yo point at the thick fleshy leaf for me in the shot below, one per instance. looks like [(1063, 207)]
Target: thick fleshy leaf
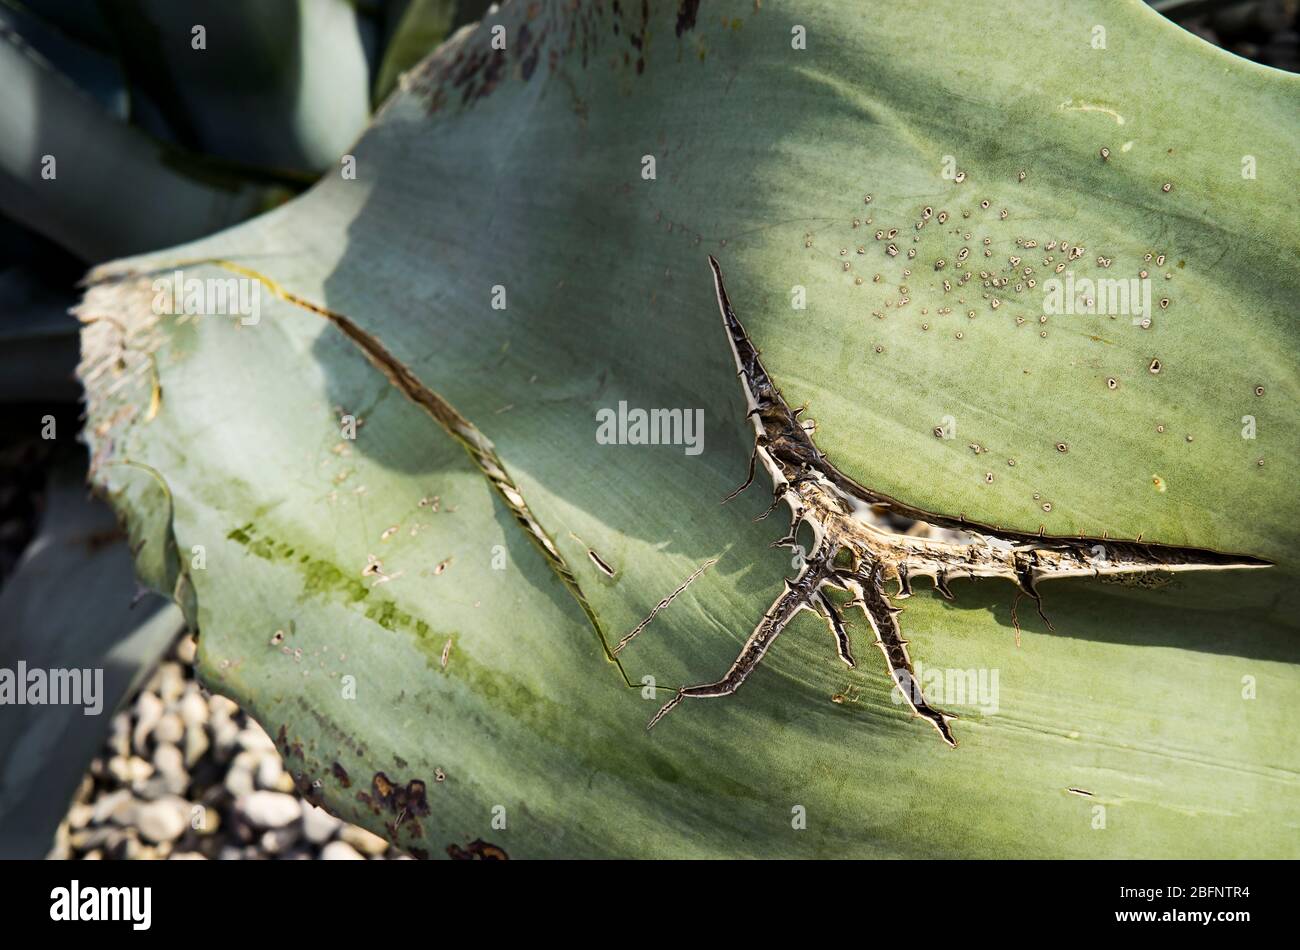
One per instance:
[(506, 267), (38, 334), (281, 85), (38, 340), (82, 21), (103, 630), (78, 55), (420, 28), (71, 172)]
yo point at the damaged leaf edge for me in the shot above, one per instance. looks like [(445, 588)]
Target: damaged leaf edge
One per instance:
[(478, 446)]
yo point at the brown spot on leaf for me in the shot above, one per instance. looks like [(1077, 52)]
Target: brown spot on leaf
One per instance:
[(369, 802), (410, 799), (98, 540), (529, 64), (308, 788), (686, 15), (477, 850)]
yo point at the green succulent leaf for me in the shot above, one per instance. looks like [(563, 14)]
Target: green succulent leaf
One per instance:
[(38, 334), (97, 186), (425, 615), (282, 85), (422, 26)]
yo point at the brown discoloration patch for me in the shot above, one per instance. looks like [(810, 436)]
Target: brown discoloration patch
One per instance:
[(403, 805), (686, 14), (308, 788), (414, 827), (529, 48), (471, 65), (549, 35), (637, 38), (341, 774), (98, 540), (410, 800), (529, 64), (477, 850)]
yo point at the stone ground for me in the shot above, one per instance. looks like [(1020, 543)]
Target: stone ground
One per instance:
[(186, 775)]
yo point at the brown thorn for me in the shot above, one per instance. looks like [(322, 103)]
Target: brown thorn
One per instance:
[(749, 480)]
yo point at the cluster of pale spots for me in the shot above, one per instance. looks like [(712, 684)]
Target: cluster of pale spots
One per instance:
[(854, 552), (965, 259), (950, 245)]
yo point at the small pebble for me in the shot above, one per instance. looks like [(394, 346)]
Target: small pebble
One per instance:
[(187, 650), (106, 807), (162, 820), (340, 851), (148, 710), (196, 745), (170, 729), (132, 771), (254, 738), (239, 781), (318, 825), (364, 841), (193, 710), (269, 771), (278, 840), (168, 761), (268, 809)]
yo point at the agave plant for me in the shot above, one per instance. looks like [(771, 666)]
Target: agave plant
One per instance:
[(432, 455)]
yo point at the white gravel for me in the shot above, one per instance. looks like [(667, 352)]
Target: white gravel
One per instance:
[(187, 776)]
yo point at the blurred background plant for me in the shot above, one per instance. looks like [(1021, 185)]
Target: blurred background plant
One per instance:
[(154, 147)]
